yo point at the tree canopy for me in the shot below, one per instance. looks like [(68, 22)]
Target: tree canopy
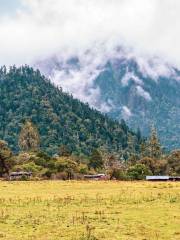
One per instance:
[(26, 95)]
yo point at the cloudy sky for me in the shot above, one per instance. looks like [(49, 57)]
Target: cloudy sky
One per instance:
[(34, 29)]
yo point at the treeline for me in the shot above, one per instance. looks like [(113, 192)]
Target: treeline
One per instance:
[(129, 164)]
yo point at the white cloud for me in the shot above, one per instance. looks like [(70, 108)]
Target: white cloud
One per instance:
[(141, 92), (130, 76), (92, 31), (126, 112), (155, 67), (45, 27)]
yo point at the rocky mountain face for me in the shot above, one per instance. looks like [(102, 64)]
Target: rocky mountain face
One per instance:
[(143, 92)]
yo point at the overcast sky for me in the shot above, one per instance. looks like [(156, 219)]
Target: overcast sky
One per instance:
[(45, 27)]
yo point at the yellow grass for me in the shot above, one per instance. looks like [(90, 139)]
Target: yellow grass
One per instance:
[(53, 210)]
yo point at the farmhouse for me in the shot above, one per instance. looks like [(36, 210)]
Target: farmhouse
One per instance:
[(19, 175), (96, 177), (163, 178)]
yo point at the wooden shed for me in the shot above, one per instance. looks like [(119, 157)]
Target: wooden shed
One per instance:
[(101, 176), (19, 175)]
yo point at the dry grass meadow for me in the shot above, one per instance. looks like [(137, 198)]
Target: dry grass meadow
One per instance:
[(53, 210)]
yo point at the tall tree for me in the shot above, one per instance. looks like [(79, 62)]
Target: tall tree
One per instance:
[(64, 151), (143, 149), (96, 160), (5, 156), (173, 161), (154, 146), (29, 137)]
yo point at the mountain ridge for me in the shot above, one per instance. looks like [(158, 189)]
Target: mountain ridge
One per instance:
[(144, 92), (60, 119)]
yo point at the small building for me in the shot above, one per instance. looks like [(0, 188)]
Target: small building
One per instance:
[(96, 177), (163, 178), (19, 175)]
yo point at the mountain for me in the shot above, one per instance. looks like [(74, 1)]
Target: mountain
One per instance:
[(60, 119), (142, 100), (145, 92)]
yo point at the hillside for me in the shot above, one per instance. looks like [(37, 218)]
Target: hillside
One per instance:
[(143, 91), (142, 99), (60, 119)]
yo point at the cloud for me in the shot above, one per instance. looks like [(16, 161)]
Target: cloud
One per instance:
[(141, 92), (155, 67), (45, 27), (129, 76), (92, 31), (126, 112)]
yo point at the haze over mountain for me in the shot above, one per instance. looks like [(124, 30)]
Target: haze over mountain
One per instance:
[(143, 93)]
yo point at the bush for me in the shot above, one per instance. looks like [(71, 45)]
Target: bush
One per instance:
[(118, 174), (138, 172), (83, 169), (31, 167), (49, 173), (60, 176)]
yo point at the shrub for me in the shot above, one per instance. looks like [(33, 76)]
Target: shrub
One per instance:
[(138, 172), (83, 169), (118, 174), (31, 167)]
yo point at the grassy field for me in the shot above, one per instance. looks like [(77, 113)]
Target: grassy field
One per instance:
[(51, 210)]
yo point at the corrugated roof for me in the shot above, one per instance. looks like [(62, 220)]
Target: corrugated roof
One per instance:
[(157, 177)]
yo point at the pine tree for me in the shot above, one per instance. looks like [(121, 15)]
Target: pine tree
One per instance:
[(29, 137), (131, 144), (139, 135), (154, 146), (143, 149), (5, 158), (96, 160), (64, 151)]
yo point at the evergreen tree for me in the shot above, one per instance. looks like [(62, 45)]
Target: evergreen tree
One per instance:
[(96, 160), (154, 146), (29, 137), (64, 151), (139, 135), (173, 161), (5, 156), (143, 149), (131, 151), (131, 143)]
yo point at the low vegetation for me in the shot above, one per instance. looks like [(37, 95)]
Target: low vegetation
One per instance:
[(49, 133), (77, 210), (128, 165)]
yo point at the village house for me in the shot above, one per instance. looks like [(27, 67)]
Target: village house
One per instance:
[(19, 175)]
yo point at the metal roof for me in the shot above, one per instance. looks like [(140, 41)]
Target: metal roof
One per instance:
[(157, 177), (20, 173)]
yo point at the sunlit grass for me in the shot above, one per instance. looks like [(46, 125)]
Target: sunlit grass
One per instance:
[(51, 210)]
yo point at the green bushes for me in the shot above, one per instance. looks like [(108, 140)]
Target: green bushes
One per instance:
[(138, 172)]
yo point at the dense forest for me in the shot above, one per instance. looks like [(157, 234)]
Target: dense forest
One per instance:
[(52, 135), (64, 165), (61, 120)]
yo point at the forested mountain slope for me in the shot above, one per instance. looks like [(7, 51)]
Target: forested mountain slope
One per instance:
[(145, 92), (60, 119), (142, 99)]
